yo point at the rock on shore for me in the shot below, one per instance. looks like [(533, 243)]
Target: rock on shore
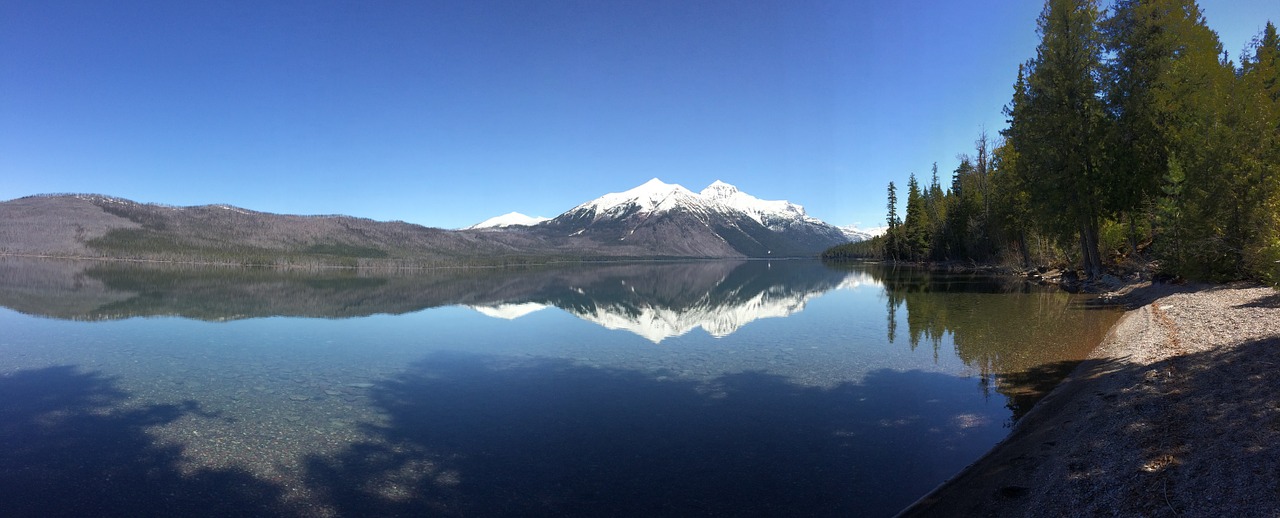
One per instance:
[(1176, 413)]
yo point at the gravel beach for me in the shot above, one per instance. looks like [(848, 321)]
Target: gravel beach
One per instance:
[(1176, 413)]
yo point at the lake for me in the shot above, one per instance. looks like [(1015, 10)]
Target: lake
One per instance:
[(733, 388)]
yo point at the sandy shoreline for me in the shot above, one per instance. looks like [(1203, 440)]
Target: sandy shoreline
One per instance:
[(1176, 413)]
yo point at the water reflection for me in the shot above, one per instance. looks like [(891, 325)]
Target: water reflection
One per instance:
[(654, 300), (1015, 336), (1020, 337), (879, 384), (658, 302)]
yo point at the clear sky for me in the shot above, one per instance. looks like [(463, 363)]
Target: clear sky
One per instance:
[(447, 113)]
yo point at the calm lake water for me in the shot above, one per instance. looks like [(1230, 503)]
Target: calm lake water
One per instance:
[(659, 389)]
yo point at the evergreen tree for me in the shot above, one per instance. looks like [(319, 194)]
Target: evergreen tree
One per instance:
[(1166, 137), (1059, 138), (1191, 97), (1257, 108), (1142, 53), (891, 234), (1014, 196), (936, 207), (960, 210), (916, 225), (1011, 215)]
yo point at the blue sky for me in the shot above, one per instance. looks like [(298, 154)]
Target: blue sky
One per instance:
[(447, 113)]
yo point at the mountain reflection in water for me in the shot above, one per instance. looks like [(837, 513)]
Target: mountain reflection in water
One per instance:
[(692, 395), (1003, 328), (653, 300)]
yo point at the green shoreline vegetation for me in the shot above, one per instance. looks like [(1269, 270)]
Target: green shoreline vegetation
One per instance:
[(1135, 146)]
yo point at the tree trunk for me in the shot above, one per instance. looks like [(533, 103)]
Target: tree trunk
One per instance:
[(1022, 245), (1095, 255), (1089, 248)]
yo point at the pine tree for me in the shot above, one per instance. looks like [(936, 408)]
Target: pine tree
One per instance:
[(1257, 107), (1191, 96), (916, 225), (960, 210), (891, 234), (936, 207), (1060, 135), (1013, 192), (1142, 52)]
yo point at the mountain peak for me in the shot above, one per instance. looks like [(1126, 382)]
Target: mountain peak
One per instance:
[(651, 196), (719, 190), (720, 221), (507, 220), (655, 187), (856, 234)]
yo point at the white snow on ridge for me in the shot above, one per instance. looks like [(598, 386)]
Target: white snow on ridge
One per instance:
[(763, 211), (510, 311), (508, 220), (651, 196), (856, 234), (657, 323), (656, 196)]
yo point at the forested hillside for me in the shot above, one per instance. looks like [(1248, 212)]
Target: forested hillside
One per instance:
[(1133, 139)]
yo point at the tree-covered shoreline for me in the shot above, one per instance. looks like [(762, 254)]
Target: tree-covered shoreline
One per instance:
[(1134, 142)]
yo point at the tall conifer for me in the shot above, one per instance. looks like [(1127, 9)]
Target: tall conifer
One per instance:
[(1060, 136)]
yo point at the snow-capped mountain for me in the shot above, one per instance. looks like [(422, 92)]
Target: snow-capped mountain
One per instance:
[(719, 221), (856, 234), (510, 219), (667, 299), (774, 214), (655, 196), (510, 311), (649, 197), (656, 322)]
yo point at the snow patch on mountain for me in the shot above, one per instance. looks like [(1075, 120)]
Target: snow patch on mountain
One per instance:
[(656, 196), (856, 234), (657, 323), (651, 196), (857, 280), (510, 219), (765, 212), (510, 311)]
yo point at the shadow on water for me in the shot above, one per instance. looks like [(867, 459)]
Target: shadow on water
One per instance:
[(69, 448), (1026, 388), (475, 436)]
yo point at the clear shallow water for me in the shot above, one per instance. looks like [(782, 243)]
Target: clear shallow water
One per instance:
[(722, 388)]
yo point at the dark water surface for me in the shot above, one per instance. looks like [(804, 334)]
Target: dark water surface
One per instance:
[(669, 389)]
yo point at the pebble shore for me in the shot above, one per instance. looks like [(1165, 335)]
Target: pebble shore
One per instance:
[(1176, 413)]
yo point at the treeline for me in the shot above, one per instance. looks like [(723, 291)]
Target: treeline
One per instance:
[(1132, 139)]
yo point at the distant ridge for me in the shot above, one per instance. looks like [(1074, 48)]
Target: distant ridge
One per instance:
[(856, 234), (653, 220)]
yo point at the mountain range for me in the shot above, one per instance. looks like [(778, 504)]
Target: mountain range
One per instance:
[(653, 220)]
